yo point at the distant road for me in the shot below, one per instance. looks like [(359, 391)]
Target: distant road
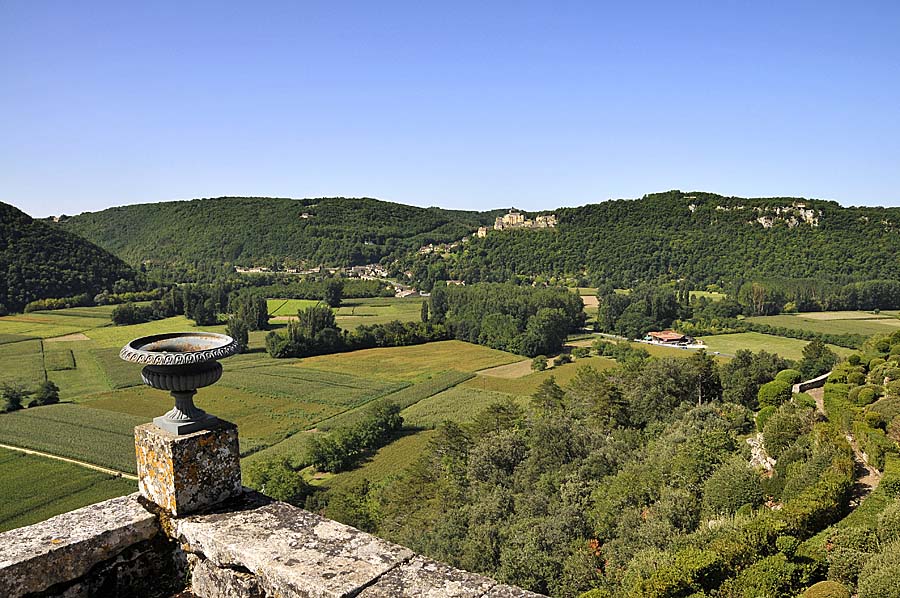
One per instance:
[(67, 460)]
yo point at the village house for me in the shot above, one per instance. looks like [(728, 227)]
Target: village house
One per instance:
[(668, 337)]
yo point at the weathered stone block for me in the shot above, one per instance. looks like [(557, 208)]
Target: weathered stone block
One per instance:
[(185, 474), (65, 547), (425, 578), (209, 581), (292, 552)]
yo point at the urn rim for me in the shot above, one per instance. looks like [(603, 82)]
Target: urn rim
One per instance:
[(179, 348)]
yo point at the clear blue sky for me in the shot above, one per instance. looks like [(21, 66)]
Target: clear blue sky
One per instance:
[(457, 104)]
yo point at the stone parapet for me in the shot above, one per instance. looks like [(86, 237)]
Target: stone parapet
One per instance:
[(252, 547), (96, 546), (295, 553), (191, 472)]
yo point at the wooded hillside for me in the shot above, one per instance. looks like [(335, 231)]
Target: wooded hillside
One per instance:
[(39, 261), (249, 231)]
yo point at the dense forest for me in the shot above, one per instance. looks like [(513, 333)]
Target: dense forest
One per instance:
[(701, 237), (643, 481), (40, 261), (251, 231)]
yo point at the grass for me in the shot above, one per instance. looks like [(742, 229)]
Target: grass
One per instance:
[(262, 421), (712, 296), (288, 307), (528, 385), (790, 348), (34, 488), (86, 379), (841, 322), (459, 404), (389, 460), (115, 337), (23, 364), (378, 310), (293, 449), (57, 359), (74, 431), (418, 362), (405, 397), (309, 385), (118, 373)]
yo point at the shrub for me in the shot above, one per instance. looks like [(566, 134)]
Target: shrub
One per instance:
[(763, 416), (581, 352), (787, 545), (278, 480), (879, 577), (875, 362), (854, 359), (856, 378), (789, 376), (875, 420), (802, 399), (783, 428), (866, 396), (889, 523), (733, 485), (827, 589), (772, 576), (774, 394), (562, 358), (539, 363)]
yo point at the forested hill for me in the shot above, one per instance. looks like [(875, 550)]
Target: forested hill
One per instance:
[(703, 237), (248, 231), (39, 261)]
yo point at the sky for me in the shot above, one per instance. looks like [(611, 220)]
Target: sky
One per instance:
[(468, 105)]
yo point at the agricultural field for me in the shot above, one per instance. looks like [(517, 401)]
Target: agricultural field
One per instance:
[(458, 404), (835, 322), (378, 310), (354, 312), (411, 363), (528, 384), (791, 348), (387, 461), (288, 307), (92, 435), (711, 295), (33, 488)]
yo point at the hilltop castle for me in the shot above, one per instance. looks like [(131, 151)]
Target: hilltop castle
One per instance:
[(517, 219)]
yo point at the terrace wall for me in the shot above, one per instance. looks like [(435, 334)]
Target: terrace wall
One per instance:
[(251, 546)]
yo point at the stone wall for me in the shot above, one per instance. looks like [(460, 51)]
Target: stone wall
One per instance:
[(250, 547)]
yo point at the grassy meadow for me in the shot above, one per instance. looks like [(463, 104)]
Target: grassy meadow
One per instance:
[(835, 322), (33, 488), (790, 348)]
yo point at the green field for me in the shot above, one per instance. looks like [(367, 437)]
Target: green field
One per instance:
[(378, 310), (411, 363), (791, 348), (288, 307), (709, 295), (33, 488), (836, 322), (92, 435), (458, 404), (527, 385)]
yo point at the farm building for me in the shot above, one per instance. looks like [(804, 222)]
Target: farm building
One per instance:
[(669, 337)]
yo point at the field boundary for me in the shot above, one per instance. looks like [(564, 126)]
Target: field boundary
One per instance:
[(85, 464)]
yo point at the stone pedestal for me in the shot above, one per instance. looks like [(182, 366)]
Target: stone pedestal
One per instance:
[(188, 473)]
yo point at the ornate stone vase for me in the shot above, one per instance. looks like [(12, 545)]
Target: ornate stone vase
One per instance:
[(181, 362)]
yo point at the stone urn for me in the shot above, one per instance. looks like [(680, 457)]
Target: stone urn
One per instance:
[(181, 362)]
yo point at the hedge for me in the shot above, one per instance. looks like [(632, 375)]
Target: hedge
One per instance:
[(726, 552)]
